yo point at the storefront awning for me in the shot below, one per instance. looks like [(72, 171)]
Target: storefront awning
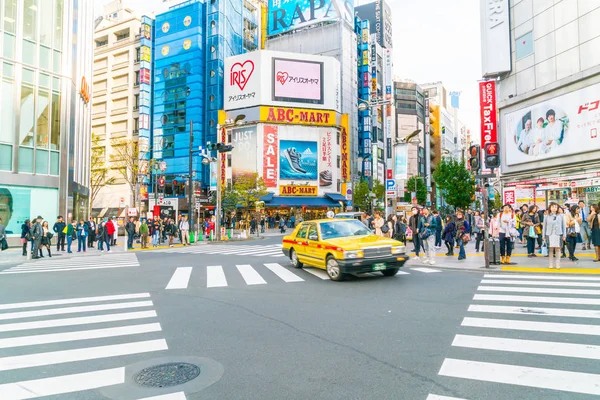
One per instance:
[(336, 197), (300, 201)]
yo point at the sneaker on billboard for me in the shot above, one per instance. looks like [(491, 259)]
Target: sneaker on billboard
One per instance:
[(293, 158), (325, 178)]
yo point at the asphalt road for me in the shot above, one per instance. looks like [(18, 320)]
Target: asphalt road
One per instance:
[(260, 329)]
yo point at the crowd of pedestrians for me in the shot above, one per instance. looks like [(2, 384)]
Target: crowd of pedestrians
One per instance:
[(550, 233)]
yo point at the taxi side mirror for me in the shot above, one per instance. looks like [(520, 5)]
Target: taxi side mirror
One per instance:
[(313, 237)]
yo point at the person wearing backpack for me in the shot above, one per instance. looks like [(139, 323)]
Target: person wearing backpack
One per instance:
[(400, 230)]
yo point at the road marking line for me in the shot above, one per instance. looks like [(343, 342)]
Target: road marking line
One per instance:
[(552, 278), (577, 382), (535, 311), (61, 270), (180, 278), (62, 384), (19, 326), (81, 354), (438, 397), (215, 277), (80, 261), (426, 270), (528, 346), (403, 273), (250, 275), (73, 265), (10, 306), (537, 290), (273, 253), (70, 310), (540, 283), (594, 271), (78, 335), (319, 273), (575, 329), (278, 255), (170, 396), (284, 273), (537, 299)]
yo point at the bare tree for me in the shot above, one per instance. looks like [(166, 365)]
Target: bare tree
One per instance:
[(125, 160), (100, 174)]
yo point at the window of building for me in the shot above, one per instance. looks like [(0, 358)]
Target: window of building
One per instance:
[(55, 127), (5, 157), (136, 125), (27, 115), (211, 98), (25, 159), (524, 45), (103, 41), (137, 54), (339, 161), (30, 12), (136, 101), (45, 28), (337, 139), (58, 24), (10, 15), (7, 105), (42, 130), (229, 160), (122, 35), (137, 78)]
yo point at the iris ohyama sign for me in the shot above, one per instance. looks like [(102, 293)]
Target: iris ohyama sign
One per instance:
[(495, 37)]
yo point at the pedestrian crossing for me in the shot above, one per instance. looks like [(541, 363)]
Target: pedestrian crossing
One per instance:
[(89, 343), (541, 345), (121, 260), (219, 276), (273, 250)]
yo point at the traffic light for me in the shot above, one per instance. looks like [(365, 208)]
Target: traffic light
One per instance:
[(475, 157), (492, 155), (161, 181), (220, 147), (434, 120)]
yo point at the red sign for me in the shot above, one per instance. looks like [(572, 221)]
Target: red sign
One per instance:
[(270, 155), (223, 159), (487, 102), (389, 174), (240, 73), (509, 197)]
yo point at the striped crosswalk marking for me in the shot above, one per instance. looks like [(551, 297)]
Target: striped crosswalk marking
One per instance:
[(215, 277), (284, 273), (28, 350), (486, 338), (250, 275), (436, 397), (319, 273), (233, 250), (124, 260), (180, 278), (170, 396), (426, 270)]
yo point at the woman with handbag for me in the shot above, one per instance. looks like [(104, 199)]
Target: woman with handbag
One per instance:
[(46, 238), (554, 232), (530, 221), (378, 223), (449, 234), (389, 224), (573, 222), (507, 226), (594, 223), (478, 228), (462, 234), (427, 226)]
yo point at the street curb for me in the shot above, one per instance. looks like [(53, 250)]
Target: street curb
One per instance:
[(512, 270)]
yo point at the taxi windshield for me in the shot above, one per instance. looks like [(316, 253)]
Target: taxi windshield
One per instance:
[(337, 229)]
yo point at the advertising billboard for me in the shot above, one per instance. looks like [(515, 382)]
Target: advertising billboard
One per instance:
[(379, 15), (562, 126), (345, 148), (274, 78), (326, 158), (288, 15), (298, 160), (270, 152), (243, 155), (297, 81), (495, 37), (18, 204), (487, 104), (401, 162)]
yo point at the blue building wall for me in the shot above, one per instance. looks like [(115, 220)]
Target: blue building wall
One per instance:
[(364, 93)]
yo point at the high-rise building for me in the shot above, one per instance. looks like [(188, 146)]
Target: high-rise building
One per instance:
[(116, 103), (46, 77), (192, 40), (409, 118), (546, 56)]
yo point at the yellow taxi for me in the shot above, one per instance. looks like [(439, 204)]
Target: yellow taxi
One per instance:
[(343, 246)]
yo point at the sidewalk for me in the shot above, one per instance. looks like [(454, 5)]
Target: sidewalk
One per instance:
[(519, 262)]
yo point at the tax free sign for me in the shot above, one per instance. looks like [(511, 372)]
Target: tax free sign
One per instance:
[(287, 15)]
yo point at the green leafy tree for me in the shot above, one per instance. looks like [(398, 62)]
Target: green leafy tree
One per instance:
[(230, 200), (456, 181), (378, 190), (249, 189), (100, 173), (409, 187)]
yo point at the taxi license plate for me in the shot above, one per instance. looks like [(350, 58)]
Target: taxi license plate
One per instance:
[(379, 267)]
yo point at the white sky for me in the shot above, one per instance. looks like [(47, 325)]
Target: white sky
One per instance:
[(434, 40)]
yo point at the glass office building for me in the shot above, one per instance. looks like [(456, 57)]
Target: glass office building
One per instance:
[(45, 76), (191, 42)]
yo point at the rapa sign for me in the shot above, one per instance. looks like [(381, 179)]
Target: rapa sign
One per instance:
[(287, 15)]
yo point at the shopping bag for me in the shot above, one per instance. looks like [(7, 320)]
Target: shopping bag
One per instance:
[(544, 249), (532, 233), (66, 229)]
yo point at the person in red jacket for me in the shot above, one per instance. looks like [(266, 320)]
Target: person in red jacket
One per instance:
[(108, 233)]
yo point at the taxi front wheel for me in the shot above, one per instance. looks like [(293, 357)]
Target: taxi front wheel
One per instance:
[(390, 272), (333, 269), (295, 261)]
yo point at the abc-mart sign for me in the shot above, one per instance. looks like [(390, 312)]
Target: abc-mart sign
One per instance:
[(273, 78)]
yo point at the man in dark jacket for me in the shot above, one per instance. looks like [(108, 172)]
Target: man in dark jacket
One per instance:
[(130, 229), (413, 223), (91, 232), (58, 228), (438, 229), (36, 234)]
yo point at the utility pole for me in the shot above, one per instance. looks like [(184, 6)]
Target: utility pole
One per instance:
[(190, 179), (218, 207), (486, 233)]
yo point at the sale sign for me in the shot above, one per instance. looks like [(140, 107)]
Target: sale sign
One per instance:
[(270, 149), (487, 103)]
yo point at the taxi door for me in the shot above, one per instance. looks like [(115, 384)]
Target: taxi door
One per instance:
[(314, 252), (301, 244)]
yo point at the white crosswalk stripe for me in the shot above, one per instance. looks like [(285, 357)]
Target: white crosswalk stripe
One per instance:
[(122, 260), (273, 250), (41, 346), (528, 351)]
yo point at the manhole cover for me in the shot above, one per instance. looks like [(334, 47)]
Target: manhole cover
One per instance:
[(165, 375)]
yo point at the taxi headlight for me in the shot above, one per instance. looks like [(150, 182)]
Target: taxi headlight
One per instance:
[(354, 254), (399, 250)]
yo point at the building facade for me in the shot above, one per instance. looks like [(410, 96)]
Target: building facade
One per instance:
[(550, 93), (116, 103), (45, 134)]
